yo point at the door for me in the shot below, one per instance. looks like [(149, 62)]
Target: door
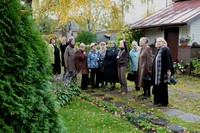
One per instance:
[(172, 38)]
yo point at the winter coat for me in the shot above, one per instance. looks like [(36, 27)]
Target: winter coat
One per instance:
[(110, 65), (134, 59), (166, 64), (81, 62), (69, 57), (144, 65), (62, 49), (92, 61), (56, 65)]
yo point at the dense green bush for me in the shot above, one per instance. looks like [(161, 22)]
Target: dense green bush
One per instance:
[(85, 37), (129, 35), (26, 104), (66, 93), (195, 66)]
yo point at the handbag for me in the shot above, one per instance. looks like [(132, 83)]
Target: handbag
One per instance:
[(131, 76), (170, 80)]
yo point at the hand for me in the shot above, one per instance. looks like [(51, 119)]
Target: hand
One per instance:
[(117, 57), (169, 73), (84, 53), (97, 59)]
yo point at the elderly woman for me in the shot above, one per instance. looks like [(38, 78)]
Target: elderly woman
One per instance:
[(102, 50), (162, 66), (93, 65), (56, 62), (122, 62), (134, 53), (69, 58), (81, 65), (144, 66), (110, 66)]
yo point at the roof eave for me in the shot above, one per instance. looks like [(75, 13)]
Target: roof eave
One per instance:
[(158, 26)]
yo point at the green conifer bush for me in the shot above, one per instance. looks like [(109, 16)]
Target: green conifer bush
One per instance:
[(26, 104)]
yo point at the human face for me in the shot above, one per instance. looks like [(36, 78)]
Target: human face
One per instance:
[(121, 45), (112, 44), (82, 48), (159, 43), (72, 42), (53, 41), (134, 46), (142, 41), (93, 48), (64, 41)]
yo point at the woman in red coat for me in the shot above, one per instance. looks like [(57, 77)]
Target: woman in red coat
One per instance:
[(81, 65)]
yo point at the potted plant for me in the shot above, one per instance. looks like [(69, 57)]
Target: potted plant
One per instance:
[(180, 67), (184, 41)]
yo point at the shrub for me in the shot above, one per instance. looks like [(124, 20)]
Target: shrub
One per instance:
[(65, 94), (195, 66), (130, 35), (85, 37), (26, 102)]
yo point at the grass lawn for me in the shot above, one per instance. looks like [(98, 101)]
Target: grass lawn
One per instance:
[(83, 117)]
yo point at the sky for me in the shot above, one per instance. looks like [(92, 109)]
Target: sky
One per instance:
[(137, 12)]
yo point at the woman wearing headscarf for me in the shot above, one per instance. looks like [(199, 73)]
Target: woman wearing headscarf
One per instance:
[(162, 66), (110, 66), (81, 65), (69, 57), (122, 62)]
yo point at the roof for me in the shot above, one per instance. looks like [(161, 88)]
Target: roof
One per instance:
[(178, 13)]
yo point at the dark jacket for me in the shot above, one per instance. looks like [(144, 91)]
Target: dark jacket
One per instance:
[(81, 62), (62, 49), (56, 65), (110, 65), (166, 64), (123, 56)]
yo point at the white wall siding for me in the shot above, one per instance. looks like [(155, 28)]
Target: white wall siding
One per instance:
[(153, 33), (195, 31)]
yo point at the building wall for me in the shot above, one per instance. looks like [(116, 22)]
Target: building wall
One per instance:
[(195, 31), (102, 38), (184, 31), (153, 33)]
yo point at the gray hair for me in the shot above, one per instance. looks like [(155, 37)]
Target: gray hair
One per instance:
[(146, 39), (82, 45), (134, 43)]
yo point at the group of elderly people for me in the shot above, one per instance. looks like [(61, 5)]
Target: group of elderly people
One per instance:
[(109, 65)]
